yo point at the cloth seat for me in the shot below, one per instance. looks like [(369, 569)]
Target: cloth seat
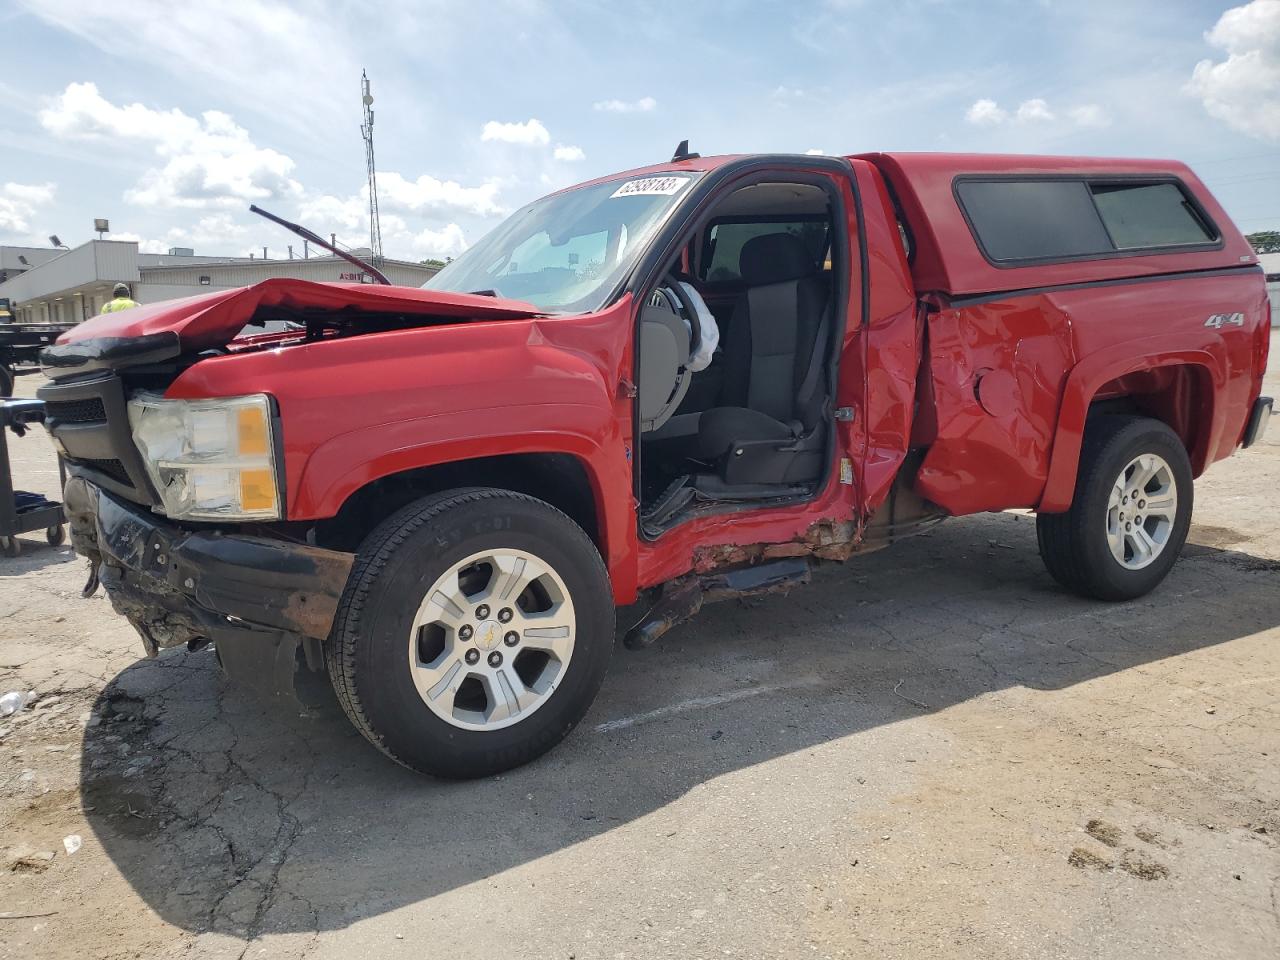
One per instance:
[(775, 357)]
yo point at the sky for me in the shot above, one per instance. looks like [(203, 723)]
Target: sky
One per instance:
[(170, 119)]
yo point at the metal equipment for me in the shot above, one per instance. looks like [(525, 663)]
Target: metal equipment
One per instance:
[(22, 512)]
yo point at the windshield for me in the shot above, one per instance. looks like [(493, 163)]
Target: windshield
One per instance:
[(565, 253)]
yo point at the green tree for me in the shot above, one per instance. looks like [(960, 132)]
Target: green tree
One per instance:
[(1265, 241)]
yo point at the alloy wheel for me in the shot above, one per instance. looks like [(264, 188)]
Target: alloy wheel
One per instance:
[(492, 639), (1141, 511)]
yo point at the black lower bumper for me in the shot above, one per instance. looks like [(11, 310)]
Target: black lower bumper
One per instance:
[(1258, 420), (259, 600)]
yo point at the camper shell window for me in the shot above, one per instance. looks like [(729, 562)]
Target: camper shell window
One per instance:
[(1037, 219)]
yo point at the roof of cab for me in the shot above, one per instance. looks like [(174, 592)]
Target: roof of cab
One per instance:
[(947, 259)]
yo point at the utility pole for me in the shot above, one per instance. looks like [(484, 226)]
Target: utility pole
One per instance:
[(366, 130)]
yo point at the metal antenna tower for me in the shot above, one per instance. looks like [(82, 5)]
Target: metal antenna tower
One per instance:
[(366, 130)]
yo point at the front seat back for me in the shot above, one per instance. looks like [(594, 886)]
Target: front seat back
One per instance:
[(775, 326), (775, 369)]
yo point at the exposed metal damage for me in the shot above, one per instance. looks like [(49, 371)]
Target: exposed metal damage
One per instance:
[(731, 571), (258, 598)]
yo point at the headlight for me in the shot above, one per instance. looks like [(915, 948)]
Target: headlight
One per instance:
[(209, 459)]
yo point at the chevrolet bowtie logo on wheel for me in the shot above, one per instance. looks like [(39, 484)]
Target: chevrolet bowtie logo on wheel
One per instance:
[(1220, 320)]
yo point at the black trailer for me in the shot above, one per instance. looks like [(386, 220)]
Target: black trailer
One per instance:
[(22, 512), (21, 343)]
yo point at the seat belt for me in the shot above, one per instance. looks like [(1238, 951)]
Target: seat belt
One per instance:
[(810, 381)]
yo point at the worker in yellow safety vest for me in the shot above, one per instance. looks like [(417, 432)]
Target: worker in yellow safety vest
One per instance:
[(122, 299)]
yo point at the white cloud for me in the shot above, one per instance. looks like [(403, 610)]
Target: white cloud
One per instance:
[(19, 202), (1243, 90), (259, 53), (436, 198), (207, 162), (144, 246), (643, 105), (1089, 115), (815, 152), (1030, 111), (986, 113), (568, 154), (218, 231), (530, 133), (446, 242), (325, 213), (401, 200)]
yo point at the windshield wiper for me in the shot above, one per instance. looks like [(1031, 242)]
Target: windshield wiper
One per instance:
[(484, 293), (307, 235)]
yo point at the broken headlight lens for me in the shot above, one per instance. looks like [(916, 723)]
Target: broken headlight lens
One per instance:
[(209, 459)]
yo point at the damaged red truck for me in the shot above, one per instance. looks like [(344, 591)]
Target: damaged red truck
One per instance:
[(440, 495)]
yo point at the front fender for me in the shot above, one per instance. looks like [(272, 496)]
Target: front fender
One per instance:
[(344, 464), (1090, 375)]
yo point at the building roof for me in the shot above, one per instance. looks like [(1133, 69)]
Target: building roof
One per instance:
[(24, 258), (99, 264)]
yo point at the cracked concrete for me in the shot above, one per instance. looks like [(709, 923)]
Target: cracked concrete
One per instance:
[(808, 806)]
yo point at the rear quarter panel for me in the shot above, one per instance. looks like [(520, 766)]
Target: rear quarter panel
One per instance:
[(1013, 379)]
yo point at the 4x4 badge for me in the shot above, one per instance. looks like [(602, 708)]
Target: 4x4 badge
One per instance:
[(1220, 320)]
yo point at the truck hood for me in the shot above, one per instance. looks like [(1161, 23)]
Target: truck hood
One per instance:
[(213, 319)]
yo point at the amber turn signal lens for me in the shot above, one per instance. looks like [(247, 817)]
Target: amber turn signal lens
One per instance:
[(257, 490), (251, 423)]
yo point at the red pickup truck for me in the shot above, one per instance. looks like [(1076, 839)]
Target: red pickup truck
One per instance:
[(683, 383)]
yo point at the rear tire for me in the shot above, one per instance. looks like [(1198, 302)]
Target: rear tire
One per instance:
[(6, 381), (447, 599), (1111, 544)]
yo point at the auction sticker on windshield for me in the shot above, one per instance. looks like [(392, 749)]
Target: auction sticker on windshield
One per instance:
[(650, 187)]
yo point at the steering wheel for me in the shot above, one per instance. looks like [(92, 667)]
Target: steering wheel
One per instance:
[(690, 312)]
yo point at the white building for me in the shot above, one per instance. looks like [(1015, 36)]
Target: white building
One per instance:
[(67, 286), (16, 260), (1271, 267)]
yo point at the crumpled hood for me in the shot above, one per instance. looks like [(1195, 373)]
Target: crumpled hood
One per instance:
[(212, 319)]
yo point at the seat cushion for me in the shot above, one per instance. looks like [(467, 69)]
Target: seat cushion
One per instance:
[(722, 427)]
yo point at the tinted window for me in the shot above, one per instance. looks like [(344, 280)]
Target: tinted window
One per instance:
[(1033, 219), (1022, 220), (1149, 215), (725, 241)]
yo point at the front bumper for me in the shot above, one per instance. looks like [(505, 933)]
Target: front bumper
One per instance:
[(259, 600)]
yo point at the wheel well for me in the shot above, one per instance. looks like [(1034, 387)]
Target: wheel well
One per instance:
[(557, 478), (1180, 396)]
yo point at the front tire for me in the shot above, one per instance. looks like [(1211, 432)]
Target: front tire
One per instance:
[(474, 632), (1130, 514)]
